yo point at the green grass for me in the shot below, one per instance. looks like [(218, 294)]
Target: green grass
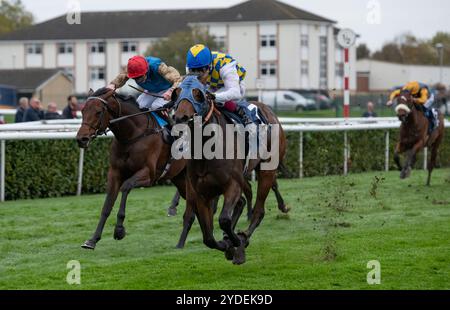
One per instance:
[(336, 226)]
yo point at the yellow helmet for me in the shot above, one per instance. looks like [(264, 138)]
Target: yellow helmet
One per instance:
[(413, 87)]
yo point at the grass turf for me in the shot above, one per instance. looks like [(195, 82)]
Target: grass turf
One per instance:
[(336, 226)]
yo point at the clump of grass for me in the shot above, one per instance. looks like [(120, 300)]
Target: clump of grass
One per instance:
[(376, 182)]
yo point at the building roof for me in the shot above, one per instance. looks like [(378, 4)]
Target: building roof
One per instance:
[(262, 10), (155, 24), (111, 25), (28, 80)]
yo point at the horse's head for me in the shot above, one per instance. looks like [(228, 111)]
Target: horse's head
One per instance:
[(405, 105), (96, 116), (190, 99)]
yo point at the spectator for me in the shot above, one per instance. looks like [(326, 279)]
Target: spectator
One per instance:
[(370, 110), (70, 112), (35, 112), (52, 111), (23, 105)]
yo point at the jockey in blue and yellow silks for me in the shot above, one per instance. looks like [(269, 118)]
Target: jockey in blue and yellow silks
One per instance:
[(224, 76), (422, 96)]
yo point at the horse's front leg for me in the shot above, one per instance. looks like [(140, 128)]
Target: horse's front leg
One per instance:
[(140, 178), (398, 150), (411, 159), (111, 196)]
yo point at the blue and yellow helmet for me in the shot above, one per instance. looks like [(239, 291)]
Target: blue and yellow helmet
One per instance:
[(198, 56)]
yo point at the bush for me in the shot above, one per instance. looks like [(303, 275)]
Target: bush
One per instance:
[(39, 169)]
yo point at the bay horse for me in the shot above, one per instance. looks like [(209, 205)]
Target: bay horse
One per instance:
[(207, 179), (414, 136), (139, 156)]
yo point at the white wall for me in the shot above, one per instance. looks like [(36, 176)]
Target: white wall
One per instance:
[(243, 46), (384, 75), (113, 65), (12, 55), (289, 56), (49, 50), (81, 69)]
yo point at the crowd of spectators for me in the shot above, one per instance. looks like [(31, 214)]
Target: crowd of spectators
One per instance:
[(30, 110)]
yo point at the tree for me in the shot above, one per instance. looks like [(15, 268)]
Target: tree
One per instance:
[(407, 49), (173, 49), (389, 52), (362, 51), (14, 16)]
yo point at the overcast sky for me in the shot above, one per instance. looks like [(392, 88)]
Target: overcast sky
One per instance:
[(375, 20)]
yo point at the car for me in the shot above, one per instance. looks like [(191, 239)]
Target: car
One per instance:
[(285, 100), (320, 98)]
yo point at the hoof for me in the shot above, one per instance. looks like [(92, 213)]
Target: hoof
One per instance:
[(230, 252), (171, 211), (239, 256), (88, 245), (244, 238), (405, 174), (119, 232), (284, 209), (180, 246)]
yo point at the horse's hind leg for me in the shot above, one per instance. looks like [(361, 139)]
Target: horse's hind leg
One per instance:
[(247, 189), (172, 210), (281, 206), (266, 179), (111, 196), (432, 160), (141, 178), (188, 220)]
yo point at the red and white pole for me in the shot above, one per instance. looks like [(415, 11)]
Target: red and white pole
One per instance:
[(346, 84)]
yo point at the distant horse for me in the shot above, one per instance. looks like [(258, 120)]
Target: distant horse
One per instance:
[(414, 135), (138, 157), (209, 178)]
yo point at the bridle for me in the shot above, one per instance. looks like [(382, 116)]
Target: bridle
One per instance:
[(105, 108)]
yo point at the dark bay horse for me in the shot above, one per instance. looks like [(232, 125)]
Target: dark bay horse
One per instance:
[(209, 178), (139, 157), (414, 136)]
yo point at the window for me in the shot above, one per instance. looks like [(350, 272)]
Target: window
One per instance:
[(304, 67), (34, 48), (97, 47), (339, 69), (220, 41), (288, 97), (304, 40), (268, 40), (97, 74), (65, 48), (129, 47), (268, 69)]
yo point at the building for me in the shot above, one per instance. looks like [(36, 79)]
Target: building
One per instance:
[(49, 85), (281, 46), (379, 76)]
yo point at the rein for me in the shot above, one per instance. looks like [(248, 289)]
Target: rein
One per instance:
[(98, 132)]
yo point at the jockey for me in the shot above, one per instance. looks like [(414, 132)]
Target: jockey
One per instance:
[(225, 78), (154, 76), (422, 96)]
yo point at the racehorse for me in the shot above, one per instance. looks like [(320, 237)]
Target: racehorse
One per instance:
[(138, 157), (414, 135), (209, 178)]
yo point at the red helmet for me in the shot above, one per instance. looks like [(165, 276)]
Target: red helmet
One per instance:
[(137, 66)]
